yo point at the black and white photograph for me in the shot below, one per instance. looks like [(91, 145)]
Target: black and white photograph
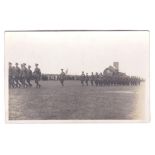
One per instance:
[(77, 75)]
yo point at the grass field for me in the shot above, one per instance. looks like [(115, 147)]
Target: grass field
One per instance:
[(54, 102)]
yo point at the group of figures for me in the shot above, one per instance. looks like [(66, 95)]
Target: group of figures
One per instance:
[(22, 76), (103, 80)]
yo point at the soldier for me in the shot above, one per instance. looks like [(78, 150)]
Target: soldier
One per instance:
[(37, 76), (20, 75), (24, 75), (14, 84), (17, 75), (86, 79), (29, 76), (100, 79), (96, 79), (92, 79), (62, 77), (10, 75), (82, 78)]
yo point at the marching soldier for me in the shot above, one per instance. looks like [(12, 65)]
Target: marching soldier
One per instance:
[(10, 75), (87, 79), (37, 76), (14, 84), (29, 76), (82, 78), (100, 79), (62, 77), (92, 79), (24, 75), (96, 79), (17, 75)]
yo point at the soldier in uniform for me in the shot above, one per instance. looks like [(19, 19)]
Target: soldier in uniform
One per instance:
[(82, 78), (10, 75), (96, 79), (62, 77), (86, 79), (24, 75), (29, 76), (92, 79), (17, 75), (100, 79), (20, 75), (37, 76), (14, 84)]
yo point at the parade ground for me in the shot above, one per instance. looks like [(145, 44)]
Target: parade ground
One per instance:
[(74, 102)]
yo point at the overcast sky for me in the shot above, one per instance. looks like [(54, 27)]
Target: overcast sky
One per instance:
[(80, 51)]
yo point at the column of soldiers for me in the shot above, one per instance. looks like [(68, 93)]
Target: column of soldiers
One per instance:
[(22, 76), (103, 80)]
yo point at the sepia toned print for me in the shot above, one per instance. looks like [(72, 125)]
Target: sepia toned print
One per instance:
[(77, 75)]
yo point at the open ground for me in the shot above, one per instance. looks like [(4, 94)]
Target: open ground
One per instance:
[(74, 102)]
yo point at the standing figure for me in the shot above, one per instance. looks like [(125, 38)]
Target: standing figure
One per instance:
[(62, 77), (92, 79), (82, 78), (100, 82), (29, 76), (87, 79), (10, 75), (24, 75), (17, 75), (96, 79), (14, 84), (37, 76)]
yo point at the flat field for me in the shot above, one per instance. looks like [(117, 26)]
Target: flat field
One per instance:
[(74, 102)]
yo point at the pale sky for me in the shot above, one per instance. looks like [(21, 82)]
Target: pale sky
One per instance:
[(89, 51)]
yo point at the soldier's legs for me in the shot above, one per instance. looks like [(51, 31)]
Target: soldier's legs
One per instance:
[(17, 82), (92, 82), (86, 82), (82, 82), (62, 82), (11, 82), (29, 82), (37, 83)]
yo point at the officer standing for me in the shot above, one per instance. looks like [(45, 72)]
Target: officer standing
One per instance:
[(37, 75), (62, 77), (82, 78), (29, 76)]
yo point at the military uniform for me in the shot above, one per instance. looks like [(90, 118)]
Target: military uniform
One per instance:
[(17, 75), (96, 79), (92, 79), (37, 75), (62, 77), (87, 79), (29, 76), (24, 75), (82, 78), (10, 75)]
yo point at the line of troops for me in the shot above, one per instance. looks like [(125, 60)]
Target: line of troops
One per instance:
[(22, 76), (103, 80)]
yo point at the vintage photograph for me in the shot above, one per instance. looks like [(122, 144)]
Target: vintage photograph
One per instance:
[(77, 75)]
